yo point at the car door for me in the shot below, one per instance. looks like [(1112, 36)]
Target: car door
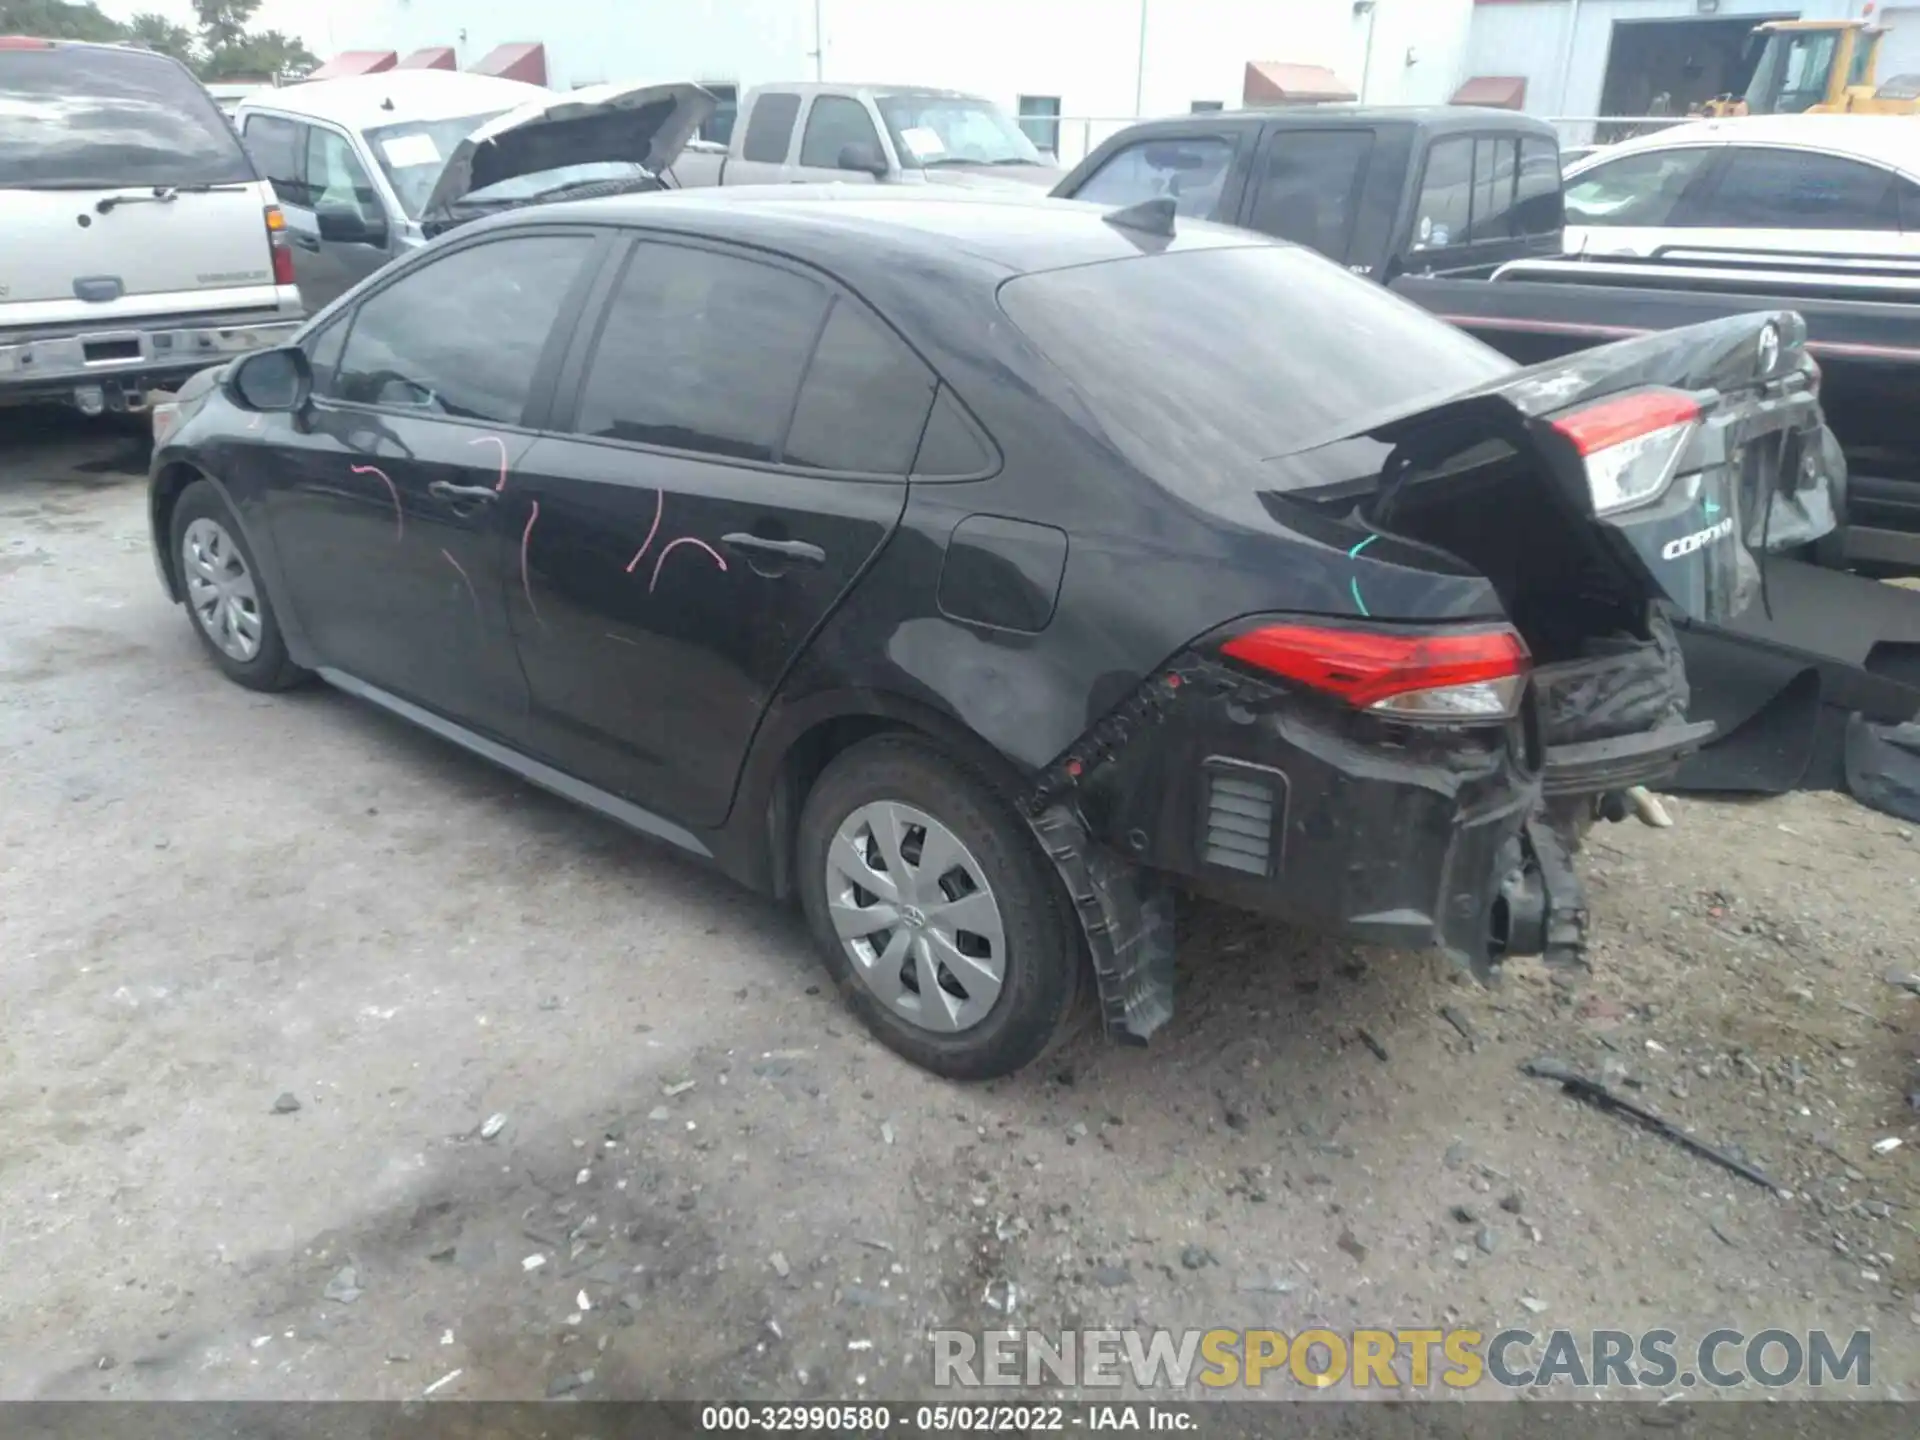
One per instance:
[(1626, 205), (727, 454), (387, 500), (1781, 198), (1193, 167), (835, 125), (767, 141)]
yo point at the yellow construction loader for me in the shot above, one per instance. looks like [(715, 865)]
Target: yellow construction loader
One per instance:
[(1818, 67)]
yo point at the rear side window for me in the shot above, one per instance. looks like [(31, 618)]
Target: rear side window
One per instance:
[(1481, 188), (86, 117), (770, 128), (1643, 189), (701, 351), (1446, 196), (1775, 188), (864, 401), (834, 123), (277, 147), (1192, 170), (1310, 183), (461, 336), (1537, 208)]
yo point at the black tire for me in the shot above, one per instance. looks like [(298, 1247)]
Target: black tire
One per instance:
[(1044, 964), (270, 668)]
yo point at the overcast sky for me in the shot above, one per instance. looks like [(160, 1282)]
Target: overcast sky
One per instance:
[(306, 18)]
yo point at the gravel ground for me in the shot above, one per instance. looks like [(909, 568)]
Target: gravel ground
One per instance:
[(272, 963)]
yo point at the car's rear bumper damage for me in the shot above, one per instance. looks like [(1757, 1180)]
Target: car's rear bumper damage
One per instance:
[(1275, 800)]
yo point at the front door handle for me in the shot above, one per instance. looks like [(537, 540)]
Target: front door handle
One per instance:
[(793, 551), (462, 494)]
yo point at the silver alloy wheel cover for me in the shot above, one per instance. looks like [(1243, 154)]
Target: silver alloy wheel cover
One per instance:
[(220, 590), (894, 917)]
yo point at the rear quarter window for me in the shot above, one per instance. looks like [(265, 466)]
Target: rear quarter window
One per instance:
[(95, 117)]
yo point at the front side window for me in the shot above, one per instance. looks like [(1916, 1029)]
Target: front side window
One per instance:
[(1778, 188), (954, 130), (337, 181), (701, 351), (1310, 187), (717, 128), (1191, 171), (834, 123), (770, 128), (1642, 189), (414, 154), (83, 117), (461, 336)]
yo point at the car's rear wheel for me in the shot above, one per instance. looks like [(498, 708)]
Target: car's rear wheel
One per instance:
[(226, 595), (936, 910)]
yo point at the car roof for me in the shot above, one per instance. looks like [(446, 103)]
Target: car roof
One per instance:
[(1423, 117), (362, 101), (1889, 140), (912, 233), (835, 87)]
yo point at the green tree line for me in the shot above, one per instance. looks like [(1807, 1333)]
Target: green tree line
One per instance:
[(220, 46)]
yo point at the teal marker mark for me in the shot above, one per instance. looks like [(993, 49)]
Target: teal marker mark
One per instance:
[(1354, 554), (1712, 507)]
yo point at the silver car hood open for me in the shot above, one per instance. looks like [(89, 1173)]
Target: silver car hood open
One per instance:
[(644, 125)]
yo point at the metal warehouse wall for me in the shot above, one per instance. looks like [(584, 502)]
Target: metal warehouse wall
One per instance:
[(1561, 45)]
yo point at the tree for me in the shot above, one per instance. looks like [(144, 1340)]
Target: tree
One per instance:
[(57, 20), (223, 23), (265, 54), (156, 32)]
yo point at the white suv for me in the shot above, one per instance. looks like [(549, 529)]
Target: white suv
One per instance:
[(139, 243)]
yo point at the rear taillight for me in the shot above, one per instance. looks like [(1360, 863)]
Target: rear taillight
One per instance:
[(24, 42), (1452, 675), (277, 244), (1631, 444)]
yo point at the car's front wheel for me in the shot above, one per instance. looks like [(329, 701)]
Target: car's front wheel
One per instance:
[(936, 910), (226, 595)]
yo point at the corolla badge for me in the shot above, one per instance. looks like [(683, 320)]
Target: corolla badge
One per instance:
[(1687, 544)]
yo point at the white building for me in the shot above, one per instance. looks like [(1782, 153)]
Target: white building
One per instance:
[(1100, 62)]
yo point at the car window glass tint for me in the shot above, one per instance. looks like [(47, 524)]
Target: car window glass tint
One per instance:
[(701, 351), (1192, 170), (950, 446), (1641, 189), (833, 123), (864, 401), (323, 355), (276, 147), (1494, 171), (770, 128), (1310, 187), (1446, 195), (1777, 188), (336, 180), (1537, 208), (462, 335)]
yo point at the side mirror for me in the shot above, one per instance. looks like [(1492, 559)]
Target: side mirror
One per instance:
[(349, 227), (272, 381), (863, 156)]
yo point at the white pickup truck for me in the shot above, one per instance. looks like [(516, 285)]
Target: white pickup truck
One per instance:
[(882, 134)]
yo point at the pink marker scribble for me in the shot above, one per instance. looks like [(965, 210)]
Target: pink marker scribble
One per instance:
[(472, 594), (399, 518), (659, 504), (675, 545), (501, 446), (526, 580)]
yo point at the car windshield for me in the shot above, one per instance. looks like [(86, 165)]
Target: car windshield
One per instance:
[(85, 117), (1202, 364), (414, 153), (954, 130)]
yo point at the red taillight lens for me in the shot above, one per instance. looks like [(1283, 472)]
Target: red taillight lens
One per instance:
[(277, 243), (1457, 675), (24, 42), (1631, 444)]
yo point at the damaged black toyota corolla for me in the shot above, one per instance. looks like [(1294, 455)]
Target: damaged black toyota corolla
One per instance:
[(980, 569)]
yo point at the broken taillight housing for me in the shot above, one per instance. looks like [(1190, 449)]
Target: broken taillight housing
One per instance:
[(277, 246), (1457, 675), (1630, 444)]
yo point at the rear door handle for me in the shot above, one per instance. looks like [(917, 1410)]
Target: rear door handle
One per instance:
[(462, 494), (306, 242), (792, 551)]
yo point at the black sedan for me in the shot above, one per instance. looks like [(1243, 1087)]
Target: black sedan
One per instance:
[(981, 570)]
